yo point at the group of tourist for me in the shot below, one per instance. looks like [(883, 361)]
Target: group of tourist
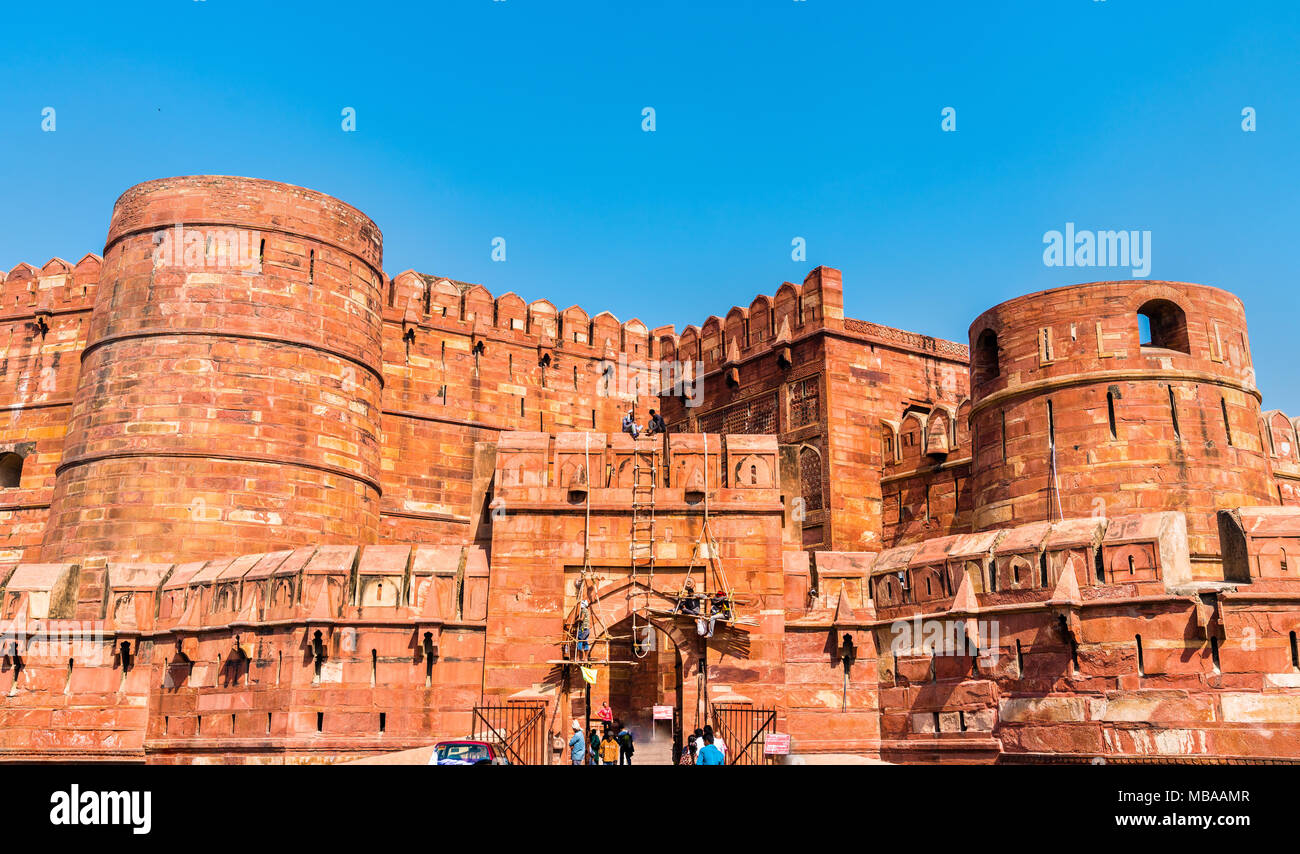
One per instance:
[(703, 747), (655, 426), (611, 744)]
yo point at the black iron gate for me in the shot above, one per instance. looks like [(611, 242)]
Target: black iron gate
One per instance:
[(744, 727), (517, 729)]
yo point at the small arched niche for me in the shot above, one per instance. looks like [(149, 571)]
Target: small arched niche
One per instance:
[(11, 470)]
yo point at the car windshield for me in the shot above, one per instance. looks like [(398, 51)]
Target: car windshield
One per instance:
[(462, 753)]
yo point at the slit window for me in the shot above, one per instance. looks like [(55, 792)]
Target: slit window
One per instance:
[(1110, 414)]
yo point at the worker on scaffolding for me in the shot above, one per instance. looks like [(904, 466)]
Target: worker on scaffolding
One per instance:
[(689, 602), (583, 637), (719, 609)]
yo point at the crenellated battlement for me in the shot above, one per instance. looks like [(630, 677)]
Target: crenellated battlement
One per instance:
[(418, 299), (57, 286)]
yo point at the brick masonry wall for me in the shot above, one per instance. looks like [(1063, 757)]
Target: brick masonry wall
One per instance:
[(461, 366)]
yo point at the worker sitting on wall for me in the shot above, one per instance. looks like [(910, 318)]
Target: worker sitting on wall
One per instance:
[(629, 423), (655, 426)]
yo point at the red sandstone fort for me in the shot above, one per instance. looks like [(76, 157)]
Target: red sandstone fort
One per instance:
[(263, 503)]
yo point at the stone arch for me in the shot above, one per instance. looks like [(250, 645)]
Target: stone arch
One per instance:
[(1277, 559), (479, 305), (785, 311), (1281, 437), (613, 606), (379, 591), (543, 319), (985, 358), (606, 333), (11, 470), (635, 339), (810, 477), (1167, 323), (929, 583), (938, 431), (281, 592), (736, 332), (576, 325), (912, 437), (889, 446), (444, 299), (688, 346), (961, 427), (889, 590), (752, 470), (511, 312), (760, 320), (711, 343), (234, 670), (224, 599)]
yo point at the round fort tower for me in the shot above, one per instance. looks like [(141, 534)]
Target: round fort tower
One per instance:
[(229, 393), (1076, 412)]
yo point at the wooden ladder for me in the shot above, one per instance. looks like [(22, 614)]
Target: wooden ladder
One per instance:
[(645, 476)]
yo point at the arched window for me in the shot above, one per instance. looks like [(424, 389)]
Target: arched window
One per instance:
[(11, 470), (1163, 324), (984, 365), (810, 478), (235, 671)]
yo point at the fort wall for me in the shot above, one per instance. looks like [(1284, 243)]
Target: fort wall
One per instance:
[(262, 503)]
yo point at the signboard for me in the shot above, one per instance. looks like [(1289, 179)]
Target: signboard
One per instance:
[(776, 744), (663, 713)]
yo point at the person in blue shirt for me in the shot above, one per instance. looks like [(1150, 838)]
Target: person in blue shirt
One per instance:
[(709, 755), (577, 745)]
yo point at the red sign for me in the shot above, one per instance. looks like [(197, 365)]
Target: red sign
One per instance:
[(776, 744), (663, 713)]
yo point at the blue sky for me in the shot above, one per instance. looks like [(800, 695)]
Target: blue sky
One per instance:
[(774, 120)]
